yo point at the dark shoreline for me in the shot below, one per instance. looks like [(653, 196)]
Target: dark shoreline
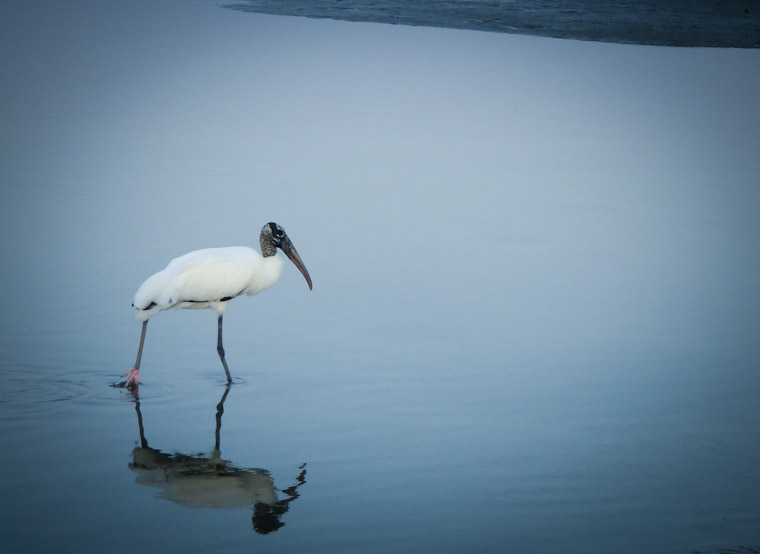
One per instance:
[(730, 24)]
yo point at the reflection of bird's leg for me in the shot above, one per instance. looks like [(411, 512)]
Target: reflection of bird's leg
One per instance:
[(220, 351), (143, 440), (219, 412), (133, 374)]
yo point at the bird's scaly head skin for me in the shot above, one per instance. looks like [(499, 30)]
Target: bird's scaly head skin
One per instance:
[(273, 237)]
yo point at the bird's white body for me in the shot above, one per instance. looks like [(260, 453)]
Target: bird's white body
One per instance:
[(207, 278)]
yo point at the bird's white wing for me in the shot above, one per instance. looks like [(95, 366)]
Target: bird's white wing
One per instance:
[(217, 274), (200, 276)]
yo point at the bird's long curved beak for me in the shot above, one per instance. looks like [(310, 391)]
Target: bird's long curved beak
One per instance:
[(292, 253)]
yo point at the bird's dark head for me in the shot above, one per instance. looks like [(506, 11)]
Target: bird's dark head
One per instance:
[(273, 237)]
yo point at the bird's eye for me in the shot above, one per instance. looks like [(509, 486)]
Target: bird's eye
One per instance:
[(279, 233)]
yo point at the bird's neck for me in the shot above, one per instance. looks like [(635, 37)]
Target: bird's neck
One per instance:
[(267, 274), (267, 248)]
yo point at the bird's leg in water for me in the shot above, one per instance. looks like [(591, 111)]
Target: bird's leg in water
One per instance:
[(133, 374), (220, 351)]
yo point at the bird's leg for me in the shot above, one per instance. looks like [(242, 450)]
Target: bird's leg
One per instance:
[(133, 375), (220, 351)]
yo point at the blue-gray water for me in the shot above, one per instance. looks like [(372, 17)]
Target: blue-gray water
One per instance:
[(535, 311)]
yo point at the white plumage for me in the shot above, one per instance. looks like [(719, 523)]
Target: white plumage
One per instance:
[(200, 279), (210, 278)]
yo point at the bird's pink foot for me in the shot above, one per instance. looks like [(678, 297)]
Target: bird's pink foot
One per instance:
[(133, 378)]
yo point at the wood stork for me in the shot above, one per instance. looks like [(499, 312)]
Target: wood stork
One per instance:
[(210, 278)]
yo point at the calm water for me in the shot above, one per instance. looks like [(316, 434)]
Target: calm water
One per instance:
[(535, 311)]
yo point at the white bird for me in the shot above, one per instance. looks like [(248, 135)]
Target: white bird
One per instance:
[(210, 278)]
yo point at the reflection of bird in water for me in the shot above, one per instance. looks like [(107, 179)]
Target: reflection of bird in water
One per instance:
[(210, 278), (199, 481)]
